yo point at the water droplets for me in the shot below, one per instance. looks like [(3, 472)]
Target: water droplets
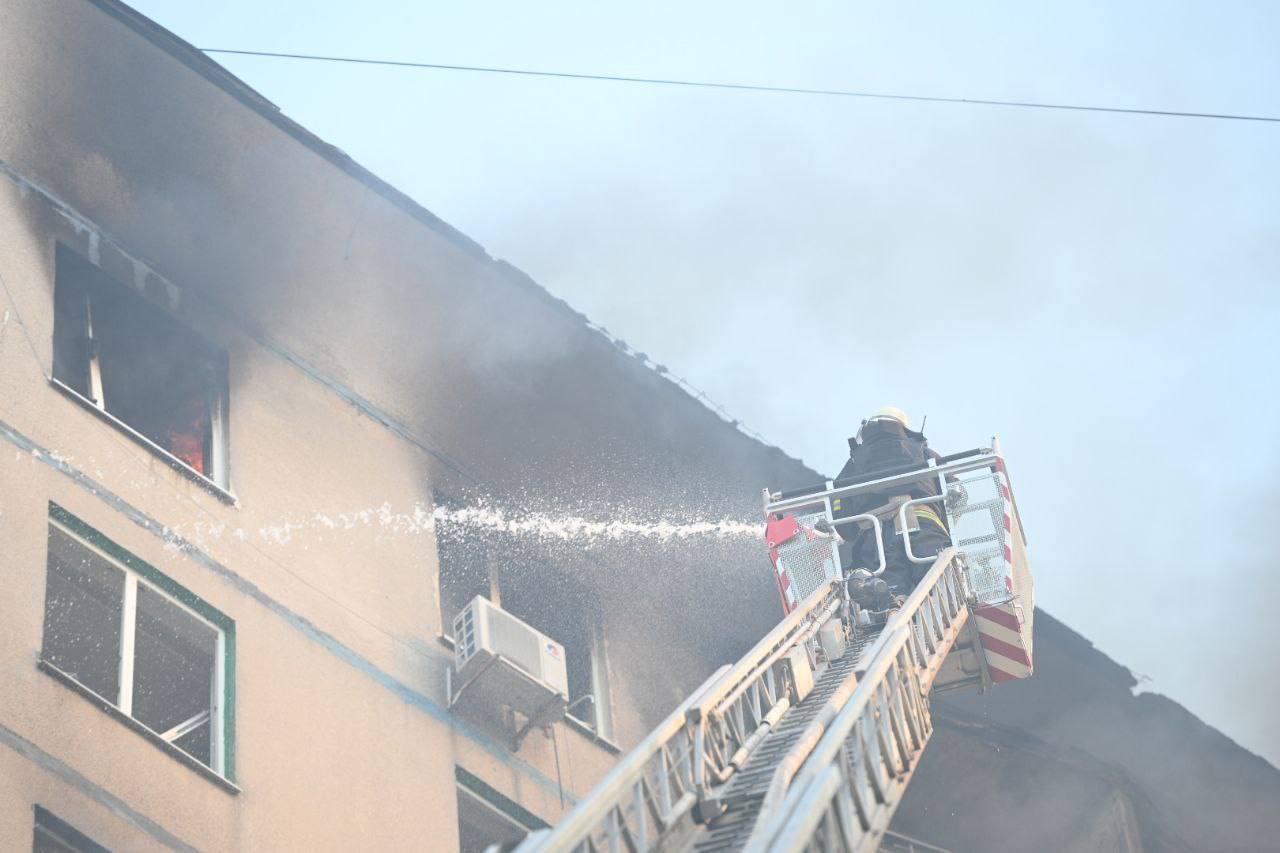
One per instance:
[(482, 518)]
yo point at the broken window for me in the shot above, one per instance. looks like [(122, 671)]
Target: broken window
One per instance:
[(117, 627), (133, 360), (54, 835)]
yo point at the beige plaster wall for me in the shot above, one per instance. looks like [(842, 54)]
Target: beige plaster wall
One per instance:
[(318, 736), (326, 287)]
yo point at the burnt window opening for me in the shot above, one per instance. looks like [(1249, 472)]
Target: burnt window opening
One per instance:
[(135, 645), (135, 361), (54, 835), (538, 594), (522, 580)]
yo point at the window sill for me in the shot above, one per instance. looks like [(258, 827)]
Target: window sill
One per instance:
[(129, 722), (172, 461), (585, 729)]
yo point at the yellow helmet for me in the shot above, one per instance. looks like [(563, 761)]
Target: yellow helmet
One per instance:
[(890, 413)]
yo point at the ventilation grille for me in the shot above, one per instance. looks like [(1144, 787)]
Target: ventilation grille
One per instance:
[(464, 636), (515, 641), (808, 560)]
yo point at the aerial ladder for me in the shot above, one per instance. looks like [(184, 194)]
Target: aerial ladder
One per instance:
[(810, 740)]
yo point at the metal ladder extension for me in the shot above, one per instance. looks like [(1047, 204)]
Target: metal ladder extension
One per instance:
[(649, 799), (779, 753), (737, 765), (854, 779)]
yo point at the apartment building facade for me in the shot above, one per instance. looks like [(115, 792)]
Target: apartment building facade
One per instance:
[(239, 378), (238, 374)]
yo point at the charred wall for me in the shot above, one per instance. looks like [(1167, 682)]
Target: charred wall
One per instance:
[(1185, 785)]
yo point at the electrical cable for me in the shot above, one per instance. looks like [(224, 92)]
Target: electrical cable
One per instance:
[(17, 315), (555, 745), (744, 87)]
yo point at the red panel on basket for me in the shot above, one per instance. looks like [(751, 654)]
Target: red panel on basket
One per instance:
[(779, 530)]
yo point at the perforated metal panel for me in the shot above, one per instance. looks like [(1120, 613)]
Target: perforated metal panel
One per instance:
[(975, 512), (809, 560)]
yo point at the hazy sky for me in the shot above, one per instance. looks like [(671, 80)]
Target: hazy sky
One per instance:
[(1099, 290)]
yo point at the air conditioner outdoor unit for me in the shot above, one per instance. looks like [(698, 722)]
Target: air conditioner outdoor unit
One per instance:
[(499, 660)]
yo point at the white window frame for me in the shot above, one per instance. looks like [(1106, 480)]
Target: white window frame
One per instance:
[(601, 720), (600, 684), (123, 701)]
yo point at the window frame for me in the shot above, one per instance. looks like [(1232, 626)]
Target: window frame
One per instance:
[(601, 721), (63, 832), (493, 803), (222, 694), (218, 480)]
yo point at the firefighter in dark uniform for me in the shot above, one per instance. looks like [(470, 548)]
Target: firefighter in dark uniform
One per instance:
[(885, 445)]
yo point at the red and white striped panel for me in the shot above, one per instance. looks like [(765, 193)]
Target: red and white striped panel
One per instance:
[(1005, 641), (1005, 635)]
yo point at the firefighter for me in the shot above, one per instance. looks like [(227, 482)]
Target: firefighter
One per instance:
[(886, 444)]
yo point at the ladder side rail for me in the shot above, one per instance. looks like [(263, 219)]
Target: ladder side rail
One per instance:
[(875, 741), (775, 644), (734, 716), (941, 596), (605, 811), (818, 801), (683, 748), (737, 733), (790, 764), (849, 801)]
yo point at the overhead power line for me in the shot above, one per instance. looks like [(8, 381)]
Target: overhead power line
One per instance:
[(744, 87)]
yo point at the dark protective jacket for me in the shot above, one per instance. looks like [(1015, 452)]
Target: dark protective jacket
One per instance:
[(886, 445)]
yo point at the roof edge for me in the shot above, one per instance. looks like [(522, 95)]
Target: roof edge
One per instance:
[(199, 62)]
